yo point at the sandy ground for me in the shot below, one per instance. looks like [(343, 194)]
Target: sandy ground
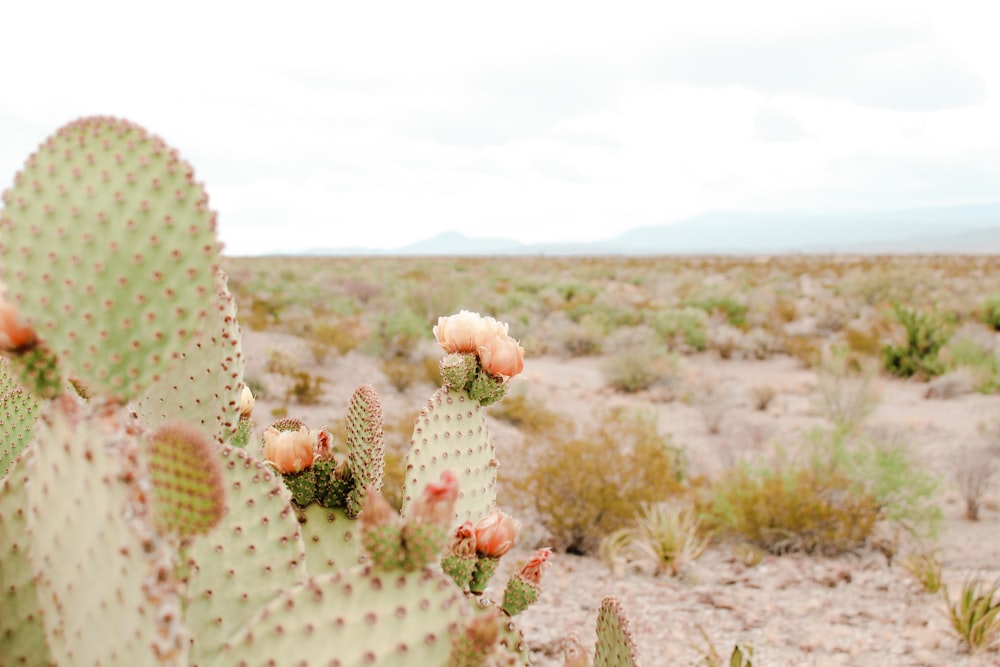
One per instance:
[(794, 610)]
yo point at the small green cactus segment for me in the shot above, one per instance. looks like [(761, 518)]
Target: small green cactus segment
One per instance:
[(188, 493), (615, 645), (255, 552), (22, 637), (206, 381), (99, 566), (38, 370), (330, 538), (353, 618), (462, 371), (18, 410), (450, 433), (108, 250), (519, 594), (491, 638), (365, 448)]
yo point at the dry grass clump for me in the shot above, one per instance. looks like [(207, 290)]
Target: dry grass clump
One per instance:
[(975, 615), (666, 537), (926, 568), (586, 483), (974, 471), (847, 392)]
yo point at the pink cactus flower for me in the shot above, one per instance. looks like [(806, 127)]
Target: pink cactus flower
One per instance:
[(495, 534), (376, 511), (289, 451), (536, 565), (15, 336), (457, 333), (502, 356), (463, 541)]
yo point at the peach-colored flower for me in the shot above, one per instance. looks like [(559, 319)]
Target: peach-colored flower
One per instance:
[(495, 534), (289, 451), (489, 330), (457, 333), (15, 335), (436, 505), (376, 511), (463, 541), (502, 356), (538, 563)]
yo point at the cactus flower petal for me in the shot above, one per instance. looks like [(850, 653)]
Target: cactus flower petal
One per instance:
[(495, 534), (288, 451)]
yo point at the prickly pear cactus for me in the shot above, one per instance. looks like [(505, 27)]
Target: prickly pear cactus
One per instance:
[(365, 449), (92, 546), (615, 646), (108, 250), (253, 554), (451, 434), (18, 410)]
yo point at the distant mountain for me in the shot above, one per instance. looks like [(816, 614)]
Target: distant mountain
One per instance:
[(954, 229)]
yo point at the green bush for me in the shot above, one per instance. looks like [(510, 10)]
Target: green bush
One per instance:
[(828, 502), (584, 485), (926, 334), (991, 311)]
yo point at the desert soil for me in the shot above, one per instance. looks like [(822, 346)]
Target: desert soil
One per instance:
[(858, 609)]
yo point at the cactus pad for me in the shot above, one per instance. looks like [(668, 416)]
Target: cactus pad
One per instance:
[(104, 577), (331, 539), (365, 449), (255, 552), (22, 637), (188, 495), (108, 250), (451, 434), (615, 646), (206, 385), (17, 417), (360, 617)]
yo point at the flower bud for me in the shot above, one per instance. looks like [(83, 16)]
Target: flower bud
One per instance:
[(436, 506), (536, 565), (376, 511), (246, 402), (495, 534), (463, 541), (288, 451)]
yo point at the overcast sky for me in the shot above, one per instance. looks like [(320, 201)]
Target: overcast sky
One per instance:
[(377, 124)]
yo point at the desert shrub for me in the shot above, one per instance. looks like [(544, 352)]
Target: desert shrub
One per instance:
[(583, 485), (867, 342), (666, 537), (804, 348), (828, 502), (763, 394), (639, 362), (926, 334), (581, 339), (846, 389), (327, 337), (405, 371), (397, 332), (974, 470), (301, 386), (528, 414), (734, 311), (682, 327), (975, 615), (980, 360), (990, 312)]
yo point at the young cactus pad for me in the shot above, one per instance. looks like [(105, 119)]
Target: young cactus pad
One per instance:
[(451, 434), (615, 646), (17, 418), (108, 250)]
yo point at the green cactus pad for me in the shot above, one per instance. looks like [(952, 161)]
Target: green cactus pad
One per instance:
[(38, 371), (519, 595), (360, 617), (509, 647), (22, 637), (99, 566), (188, 495), (451, 434), (302, 486), (486, 388), (255, 552), (331, 539), (615, 645), (458, 369), (205, 383), (482, 573), (17, 418), (365, 449), (334, 484), (108, 250)]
